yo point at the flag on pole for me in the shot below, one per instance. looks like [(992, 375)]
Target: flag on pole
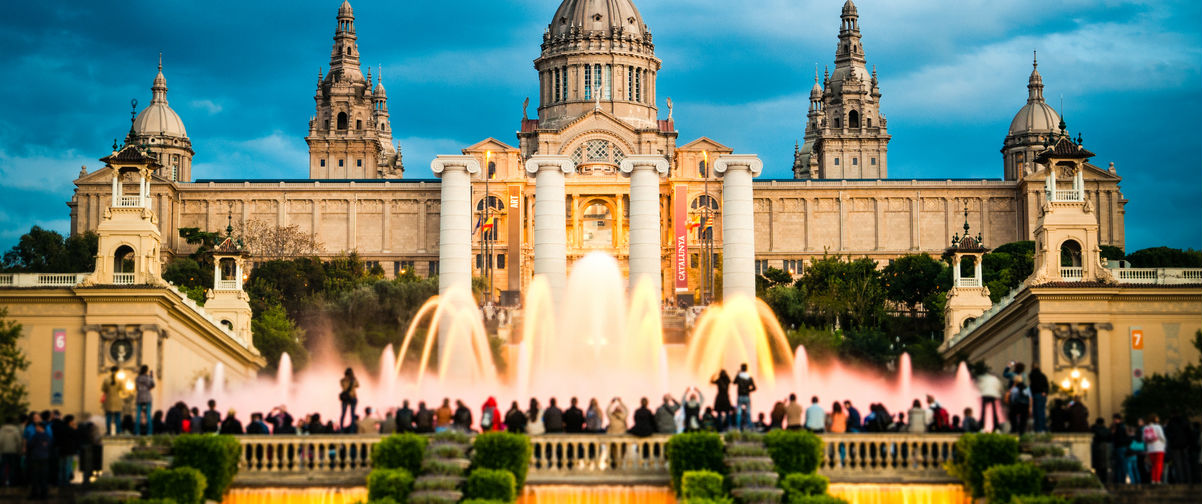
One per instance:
[(479, 221), (489, 223), (694, 222)]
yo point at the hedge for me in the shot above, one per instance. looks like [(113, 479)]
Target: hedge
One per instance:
[(503, 450), (975, 453), (184, 485), (702, 484), (794, 451), (694, 451), (491, 484), (798, 485), (392, 484), (1004, 482), (1038, 499), (214, 456), (399, 451), (704, 500)]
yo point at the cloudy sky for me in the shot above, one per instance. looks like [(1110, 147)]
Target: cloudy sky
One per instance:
[(953, 73)]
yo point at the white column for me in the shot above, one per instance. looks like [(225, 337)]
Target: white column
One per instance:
[(550, 228), (455, 221), (646, 250), (738, 223), (956, 271)]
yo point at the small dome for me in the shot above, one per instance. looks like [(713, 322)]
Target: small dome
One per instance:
[(597, 16), (379, 89), (816, 91), (849, 9), (1035, 117), (345, 9), (158, 118)]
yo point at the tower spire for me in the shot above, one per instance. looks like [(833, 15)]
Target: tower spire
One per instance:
[(159, 88), (1035, 83)]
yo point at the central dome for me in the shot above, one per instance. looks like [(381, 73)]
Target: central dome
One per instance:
[(597, 16)]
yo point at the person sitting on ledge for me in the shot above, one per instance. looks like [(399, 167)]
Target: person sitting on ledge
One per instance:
[(573, 418), (665, 415), (231, 424), (644, 419), (257, 425), (553, 418), (515, 420), (815, 417), (423, 419)]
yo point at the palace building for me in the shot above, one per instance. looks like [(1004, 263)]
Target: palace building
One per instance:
[(598, 106)]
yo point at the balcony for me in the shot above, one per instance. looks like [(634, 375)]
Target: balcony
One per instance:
[(227, 285), (128, 201), (123, 278), (968, 282), (1159, 276), (1072, 274), (1067, 195), (41, 279)]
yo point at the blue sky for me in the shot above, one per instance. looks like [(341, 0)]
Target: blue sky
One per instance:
[(953, 73)]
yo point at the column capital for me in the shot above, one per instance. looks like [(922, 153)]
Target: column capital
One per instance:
[(632, 163), (749, 162), (443, 163), (539, 162)]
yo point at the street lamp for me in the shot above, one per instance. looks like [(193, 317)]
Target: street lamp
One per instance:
[(1076, 384)]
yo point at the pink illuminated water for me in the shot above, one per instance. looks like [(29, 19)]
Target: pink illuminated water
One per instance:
[(597, 341)]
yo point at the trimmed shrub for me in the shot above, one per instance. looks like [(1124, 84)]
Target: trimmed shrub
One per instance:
[(385, 500), (214, 456), (434, 498), (437, 483), (149, 501), (754, 479), (503, 450), (694, 451), (446, 467), (132, 467), (1038, 499), (794, 451), (447, 450), (392, 484), (1066, 464), (750, 465), (184, 485), (1003, 482), (491, 484), (975, 453), (757, 495), (105, 483), (802, 485), (746, 450), (399, 451), (452, 436), (1045, 450), (702, 484), (1084, 481), (733, 436)]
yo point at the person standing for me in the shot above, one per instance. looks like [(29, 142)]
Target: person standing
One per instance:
[(722, 406), (691, 401), (1039, 398), (665, 415), (231, 424), (918, 418), (744, 386), (348, 397), (1178, 435), (1100, 449), (1020, 406), (617, 417), (39, 447), (815, 417), (1154, 440), (793, 413), (594, 418), (1135, 454), (67, 443), (991, 392), (113, 402), (143, 384), (1119, 441), (11, 446)]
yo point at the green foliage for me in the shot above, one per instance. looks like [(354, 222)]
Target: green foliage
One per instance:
[(794, 451), (1005, 481), (761, 495), (772, 277), (801, 485), (442, 467), (815, 499), (753, 479), (503, 450), (849, 291), (214, 456), (96, 498), (186, 272), (108, 483), (392, 484), (1060, 464), (1165, 257), (1112, 253), (132, 467), (694, 451), (974, 454), (1086, 480), (703, 484), (1045, 450), (452, 436), (1167, 394), (482, 501), (399, 451), (275, 334), (14, 396), (445, 451), (1007, 266), (707, 500), (437, 483), (45, 251), (493, 484), (184, 485), (1038, 499), (787, 303), (913, 279)]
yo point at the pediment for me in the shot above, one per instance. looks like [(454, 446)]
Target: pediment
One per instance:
[(705, 144), (489, 144), (1091, 172)]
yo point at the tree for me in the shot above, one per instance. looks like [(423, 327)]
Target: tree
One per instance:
[(265, 241), (44, 251), (275, 334), (1169, 393), (1165, 257), (186, 272), (13, 394), (1007, 266), (1112, 253), (771, 277), (913, 279)]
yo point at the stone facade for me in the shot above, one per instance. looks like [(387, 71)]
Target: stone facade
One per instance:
[(597, 123)]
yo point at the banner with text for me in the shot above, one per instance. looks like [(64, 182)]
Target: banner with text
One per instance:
[(680, 244), (58, 366)]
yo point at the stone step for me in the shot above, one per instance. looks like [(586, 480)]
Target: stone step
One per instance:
[(436, 496), (737, 464), (437, 482), (762, 479), (753, 495)]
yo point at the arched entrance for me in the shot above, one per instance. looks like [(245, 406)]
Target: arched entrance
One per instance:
[(597, 225)]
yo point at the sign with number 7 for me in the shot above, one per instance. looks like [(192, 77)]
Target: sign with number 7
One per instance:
[(1137, 339)]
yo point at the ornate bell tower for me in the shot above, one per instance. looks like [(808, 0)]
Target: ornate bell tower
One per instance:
[(227, 302), (1067, 248), (129, 239), (969, 297)]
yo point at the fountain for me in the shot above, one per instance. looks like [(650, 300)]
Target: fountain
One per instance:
[(600, 342)]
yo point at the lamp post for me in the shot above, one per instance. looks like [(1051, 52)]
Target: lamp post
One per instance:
[(1076, 384)]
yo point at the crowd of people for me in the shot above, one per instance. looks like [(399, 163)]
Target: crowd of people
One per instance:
[(39, 450)]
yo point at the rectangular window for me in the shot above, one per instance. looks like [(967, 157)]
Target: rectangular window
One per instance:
[(358, 162), (693, 261), (855, 161), (432, 268), (588, 82), (609, 82), (874, 161), (340, 163), (598, 81), (500, 261), (760, 267), (836, 161), (630, 83), (480, 262), (638, 84), (323, 163), (556, 84), (564, 73)]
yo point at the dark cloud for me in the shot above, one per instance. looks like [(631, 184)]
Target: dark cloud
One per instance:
[(242, 74)]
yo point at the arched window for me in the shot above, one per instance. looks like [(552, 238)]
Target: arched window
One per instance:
[(597, 153), (968, 266), (853, 119), (123, 259), (496, 212), (348, 51), (342, 120), (703, 214), (596, 224), (1070, 254)]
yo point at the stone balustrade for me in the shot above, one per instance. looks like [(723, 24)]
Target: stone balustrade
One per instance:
[(597, 458), (41, 279)]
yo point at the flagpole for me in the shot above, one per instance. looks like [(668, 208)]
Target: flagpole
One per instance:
[(705, 249), (488, 215)]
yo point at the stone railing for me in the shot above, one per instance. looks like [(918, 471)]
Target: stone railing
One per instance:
[(968, 282), (123, 278), (127, 201), (41, 279), (227, 285), (595, 458), (1067, 195), (1159, 276), (1071, 273)]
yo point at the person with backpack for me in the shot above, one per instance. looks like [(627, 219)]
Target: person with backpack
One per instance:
[(1135, 451), (490, 417), (1154, 439), (744, 386), (1020, 406), (937, 416)]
